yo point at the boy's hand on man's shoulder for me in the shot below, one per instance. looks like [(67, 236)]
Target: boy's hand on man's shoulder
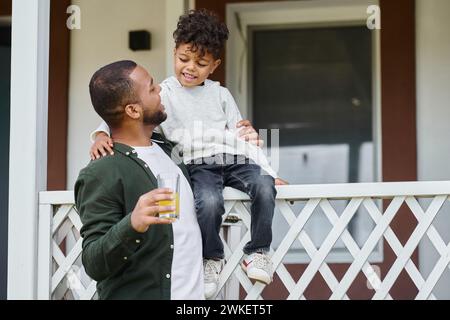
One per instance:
[(248, 133), (102, 145)]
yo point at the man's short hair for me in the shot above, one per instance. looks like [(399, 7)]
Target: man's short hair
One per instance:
[(111, 89)]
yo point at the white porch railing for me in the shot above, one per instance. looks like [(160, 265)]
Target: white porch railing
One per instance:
[(61, 276)]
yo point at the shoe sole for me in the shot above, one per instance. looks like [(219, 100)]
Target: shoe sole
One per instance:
[(263, 280), (212, 294)]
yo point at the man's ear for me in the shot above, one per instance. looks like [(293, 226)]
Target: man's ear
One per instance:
[(133, 111), (216, 64)]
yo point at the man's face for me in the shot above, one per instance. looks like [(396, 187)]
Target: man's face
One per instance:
[(148, 93), (191, 69)]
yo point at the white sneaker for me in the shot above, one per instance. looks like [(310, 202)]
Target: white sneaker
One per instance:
[(258, 266), (212, 270)]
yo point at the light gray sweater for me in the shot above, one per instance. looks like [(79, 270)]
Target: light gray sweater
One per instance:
[(202, 121)]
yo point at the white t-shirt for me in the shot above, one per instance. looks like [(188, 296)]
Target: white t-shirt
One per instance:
[(187, 264)]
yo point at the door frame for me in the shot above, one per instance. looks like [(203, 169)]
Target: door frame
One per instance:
[(4, 22)]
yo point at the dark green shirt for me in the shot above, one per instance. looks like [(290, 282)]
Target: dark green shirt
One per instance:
[(126, 264)]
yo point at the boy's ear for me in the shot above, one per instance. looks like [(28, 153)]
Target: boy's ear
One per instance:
[(216, 64)]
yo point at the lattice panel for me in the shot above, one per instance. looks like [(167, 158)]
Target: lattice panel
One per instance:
[(67, 279), (360, 256)]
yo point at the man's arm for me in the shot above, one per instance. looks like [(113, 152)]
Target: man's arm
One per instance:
[(110, 236)]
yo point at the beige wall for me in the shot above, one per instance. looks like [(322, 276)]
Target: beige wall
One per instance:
[(103, 38), (433, 115)]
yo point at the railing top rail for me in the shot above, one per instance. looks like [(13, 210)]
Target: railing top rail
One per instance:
[(304, 192), (56, 197)]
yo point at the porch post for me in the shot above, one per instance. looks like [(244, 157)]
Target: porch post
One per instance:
[(28, 151)]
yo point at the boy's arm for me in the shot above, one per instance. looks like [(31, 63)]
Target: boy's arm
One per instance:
[(108, 237), (231, 109), (102, 142), (233, 117), (235, 123), (103, 127)]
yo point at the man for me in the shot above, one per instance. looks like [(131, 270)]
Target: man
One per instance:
[(131, 252)]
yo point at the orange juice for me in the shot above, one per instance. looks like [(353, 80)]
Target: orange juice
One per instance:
[(173, 215)]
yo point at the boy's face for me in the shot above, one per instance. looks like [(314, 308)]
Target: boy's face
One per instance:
[(191, 69)]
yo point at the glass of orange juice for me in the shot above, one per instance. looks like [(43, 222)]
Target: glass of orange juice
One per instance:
[(172, 181)]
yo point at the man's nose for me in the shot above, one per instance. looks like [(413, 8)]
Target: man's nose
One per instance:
[(158, 88)]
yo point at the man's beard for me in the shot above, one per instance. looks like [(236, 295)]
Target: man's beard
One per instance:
[(155, 118)]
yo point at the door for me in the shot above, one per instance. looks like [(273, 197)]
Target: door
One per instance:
[(318, 91), (5, 67)]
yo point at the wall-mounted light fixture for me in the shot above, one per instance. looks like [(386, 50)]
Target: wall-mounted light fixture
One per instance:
[(140, 40)]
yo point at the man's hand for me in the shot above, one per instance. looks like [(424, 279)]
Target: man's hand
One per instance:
[(103, 144), (147, 208), (280, 182), (248, 133)]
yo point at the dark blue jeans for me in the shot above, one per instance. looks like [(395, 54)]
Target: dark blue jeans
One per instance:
[(240, 173)]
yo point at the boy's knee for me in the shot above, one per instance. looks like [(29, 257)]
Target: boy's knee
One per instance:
[(210, 202), (265, 187)]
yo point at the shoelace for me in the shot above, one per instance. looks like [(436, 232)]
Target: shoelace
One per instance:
[(212, 270), (261, 261)]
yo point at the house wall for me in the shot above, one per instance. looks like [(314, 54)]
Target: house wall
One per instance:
[(103, 38), (433, 114)]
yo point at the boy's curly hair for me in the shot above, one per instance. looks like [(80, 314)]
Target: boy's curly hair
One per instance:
[(202, 29)]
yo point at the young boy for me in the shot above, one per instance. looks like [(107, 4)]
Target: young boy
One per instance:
[(202, 118)]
